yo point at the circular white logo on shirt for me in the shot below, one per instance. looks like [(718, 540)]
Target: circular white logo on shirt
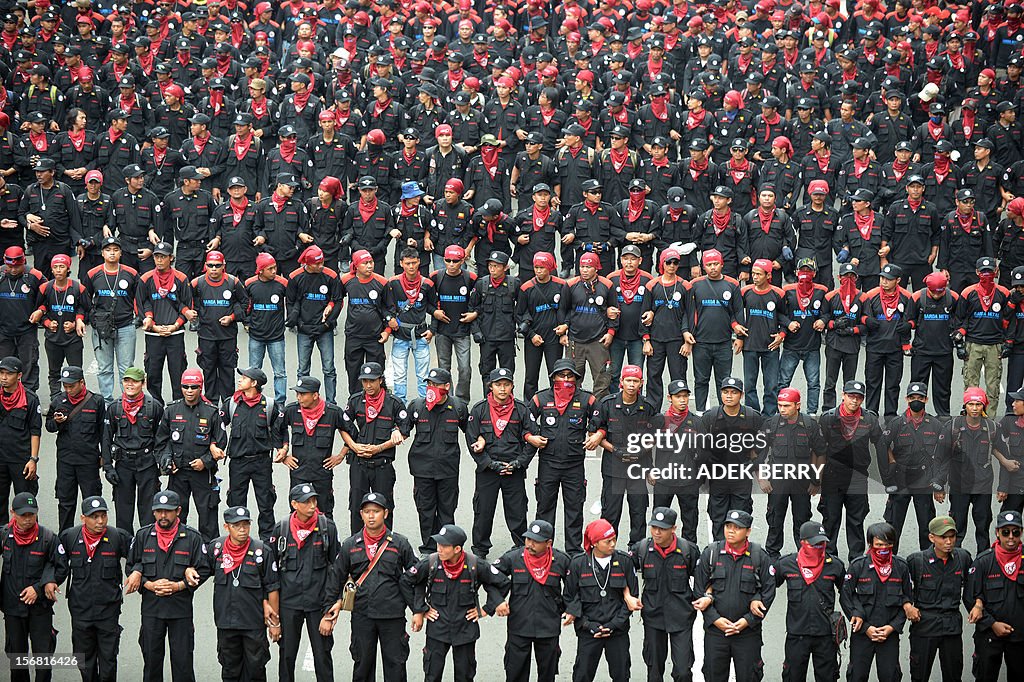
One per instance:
[(550, 421), (175, 435), (556, 298), (373, 295), (853, 308), (599, 300), (996, 307), (817, 304), (770, 305), (402, 414), (727, 295), (227, 294), (123, 283), (677, 296), (275, 298), (24, 288), (900, 307), (71, 299), (462, 290), (323, 288)]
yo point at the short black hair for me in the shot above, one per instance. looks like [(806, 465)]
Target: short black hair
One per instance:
[(881, 531), (408, 252)]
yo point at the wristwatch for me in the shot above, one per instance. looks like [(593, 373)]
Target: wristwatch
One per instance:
[(34, 459)]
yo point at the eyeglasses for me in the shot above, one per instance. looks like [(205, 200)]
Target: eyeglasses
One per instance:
[(1006, 532), (214, 265), (190, 387)]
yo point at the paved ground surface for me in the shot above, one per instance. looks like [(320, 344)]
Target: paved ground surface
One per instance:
[(491, 646)]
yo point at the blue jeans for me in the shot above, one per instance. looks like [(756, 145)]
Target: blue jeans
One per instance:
[(766, 363), (812, 371), (304, 350), (275, 349), (632, 351), (123, 345), (400, 363)]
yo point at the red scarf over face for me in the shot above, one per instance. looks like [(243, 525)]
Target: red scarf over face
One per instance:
[(301, 530), (165, 538), (233, 555), (739, 170), (367, 209), (619, 157), (538, 566), (288, 146), (810, 559), (27, 537), (216, 100), (77, 138), (91, 541), (847, 292), (372, 542), (890, 302), (659, 107), (941, 167), (435, 396), (302, 98), (849, 421), (16, 400), (864, 224), (637, 203), (967, 122), (881, 560), (39, 141), (374, 404), (1009, 562), (499, 414), (986, 289), (489, 155), (131, 406), (311, 416), (721, 221), (453, 569), (564, 391)]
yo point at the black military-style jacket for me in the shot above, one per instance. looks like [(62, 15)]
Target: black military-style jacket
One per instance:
[(809, 607), (594, 593), (383, 594), (912, 447), (667, 595), (303, 571), (32, 565), (435, 445), (535, 606), (239, 589), (187, 550), (78, 437), (734, 582), (938, 591), (94, 583), (878, 603), (186, 433)]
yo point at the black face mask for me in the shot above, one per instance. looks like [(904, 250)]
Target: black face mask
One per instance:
[(916, 405)]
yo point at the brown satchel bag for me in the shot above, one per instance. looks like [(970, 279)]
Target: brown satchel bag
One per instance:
[(348, 593)]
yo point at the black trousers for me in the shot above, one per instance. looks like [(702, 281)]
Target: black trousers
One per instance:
[(990, 652), (937, 372), (803, 651), (613, 490), (243, 655), (980, 508), (218, 360), (664, 352), (257, 469), (292, 623), (922, 656), (485, 506), (831, 505), (97, 643), (37, 629), (463, 656), (778, 502), (71, 478), (11, 476), (436, 500), (708, 357), (895, 514), (688, 513), (358, 352), (191, 260), (366, 478), (1014, 502), (573, 484), (886, 656), (200, 485), (26, 348), (179, 634), (43, 252), (891, 366), (588, 657), (836, 361), (57, 356), (390, 634), (493, 355), (743, 649), (518, 651), (656, 650), (169, 348), (532, 357), (147, 482), (720, 503)]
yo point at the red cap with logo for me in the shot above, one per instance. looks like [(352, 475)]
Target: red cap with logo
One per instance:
[(544, 260), (590, 259), (789, 395), (454, 252), (191, 377), (712, 256), (215, 257), (312, 255)]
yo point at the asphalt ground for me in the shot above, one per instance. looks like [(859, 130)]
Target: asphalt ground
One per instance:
[(490, 648)]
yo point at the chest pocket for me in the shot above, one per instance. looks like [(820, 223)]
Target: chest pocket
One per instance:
[(465, 592), (149, 564), (324, 438), (450, 432), (298, 435), (893, 593), (679, 581), (901, 224), (16, 420), (438, 592), (748, 582), (110, 567)]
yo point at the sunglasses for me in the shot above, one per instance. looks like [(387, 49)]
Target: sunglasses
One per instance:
[(1007, 533), (672, 261), (452, 260), (214, 265), (191, 387)]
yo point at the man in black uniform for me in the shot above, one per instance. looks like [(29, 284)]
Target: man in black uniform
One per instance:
[(538, 314), (938, 577), (997, 608), (188, 446), (28, 584), (245, 598), (435, 453), (492, 303), (535, 605), (306, 545), (51, 216), (257, 430), (374, 559), (667, 562), (365, 331), (185, 222), (790, 438), (168, 563), (20, 428), (76, 416), (905, 462), (90, 559), (444, 584), (495, 432), (932, 361), (128, 447), (132, 217), (813, 578), (560, 417), (736, 587), (876, 590), (310, 423), (19, 299), (374, 423), (218, 306)]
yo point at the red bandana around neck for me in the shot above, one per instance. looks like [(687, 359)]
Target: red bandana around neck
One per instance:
[(864, 223), (619, 157), (302, 98), (233, 555), (1009, 562), (849, 421), (165, 538), (278, 201), (411, 287), (199, 141), (659, 107), (721, 221), (629, 286), (301, 530), (242, 144), (311, 416), (739, 170), (77, 138), (16, 400), (374, 404), (736, 553), (453, 569), (500, 414), (538, 566), (367, 209), (241, 397), (695, 119), (238, 210), (131, 406), (26, 537), (91, 541), (540, 217), (663, 552), (372, 542), (39, 141), (674, 419), (765, 217)]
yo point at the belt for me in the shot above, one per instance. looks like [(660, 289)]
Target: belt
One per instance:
[(374, 463), (191, 242)]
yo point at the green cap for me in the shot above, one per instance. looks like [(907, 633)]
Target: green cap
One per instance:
[(135, 374), (941, 525)]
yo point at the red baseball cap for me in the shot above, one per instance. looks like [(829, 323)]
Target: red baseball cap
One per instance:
[(215, 257), (94, 175)]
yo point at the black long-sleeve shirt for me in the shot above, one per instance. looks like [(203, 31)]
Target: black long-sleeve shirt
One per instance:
[(266, 314), (78, 437), (309, 295), (216, 299), (186, 551), (734, 582), (304, 571), (588, 579), (383, 595), (59, 210)]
